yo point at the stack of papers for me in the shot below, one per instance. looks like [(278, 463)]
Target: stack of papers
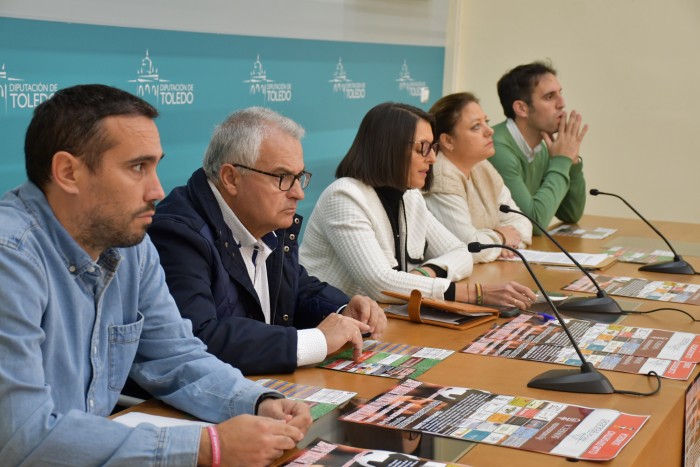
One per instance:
[(587, 260)]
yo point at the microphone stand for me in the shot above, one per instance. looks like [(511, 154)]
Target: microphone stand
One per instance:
[(587, 379), (677, 266), (601, 303)]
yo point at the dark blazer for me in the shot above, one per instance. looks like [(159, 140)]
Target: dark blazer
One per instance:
[(209, 281)]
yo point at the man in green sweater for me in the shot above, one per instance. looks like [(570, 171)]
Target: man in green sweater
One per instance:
[(537, 147)]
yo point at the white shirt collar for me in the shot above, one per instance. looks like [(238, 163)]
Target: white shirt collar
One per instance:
[(520, 141), (238, 230), (253, 251)]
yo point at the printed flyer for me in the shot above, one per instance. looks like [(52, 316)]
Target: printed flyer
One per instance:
[(569, 230), (516, 422), (324, 454), (320, 400), (551, 258), (388, 360), (639, 255), (612, 347), (665, 291)]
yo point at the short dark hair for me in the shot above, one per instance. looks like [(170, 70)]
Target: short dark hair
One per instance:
[(71, 121), (518, 84), (448, 109), (380, 155)]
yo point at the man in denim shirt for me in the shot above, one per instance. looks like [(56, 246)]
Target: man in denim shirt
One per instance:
[(84, 304)]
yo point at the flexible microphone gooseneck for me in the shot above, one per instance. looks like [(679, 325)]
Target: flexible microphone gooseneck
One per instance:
[(677, 266), (601, 303), (587, 380)]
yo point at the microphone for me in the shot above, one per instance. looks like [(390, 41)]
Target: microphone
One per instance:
[(587, 380), (677, 266), (601, 303)]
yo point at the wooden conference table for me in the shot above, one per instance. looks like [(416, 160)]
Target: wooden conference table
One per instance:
[(659, 442)]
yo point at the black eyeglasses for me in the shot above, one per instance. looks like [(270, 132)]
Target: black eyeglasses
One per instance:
[(426, 147), (286, 181)]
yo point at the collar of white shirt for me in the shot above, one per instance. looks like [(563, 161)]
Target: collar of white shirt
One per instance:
[(525, 148), (253, 251), (311, 343)]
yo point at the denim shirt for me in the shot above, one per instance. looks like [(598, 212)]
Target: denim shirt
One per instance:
[(71, 331)]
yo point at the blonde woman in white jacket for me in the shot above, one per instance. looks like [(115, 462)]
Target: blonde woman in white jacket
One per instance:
[(371, 230)]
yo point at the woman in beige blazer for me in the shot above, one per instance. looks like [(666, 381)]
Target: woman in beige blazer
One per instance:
[(467, 191)]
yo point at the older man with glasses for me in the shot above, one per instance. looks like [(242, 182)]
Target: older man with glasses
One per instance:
[(228, 244)]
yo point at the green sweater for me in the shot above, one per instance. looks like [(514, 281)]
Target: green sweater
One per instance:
[(543, 188)]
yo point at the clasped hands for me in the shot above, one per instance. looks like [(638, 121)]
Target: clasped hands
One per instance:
[(568, 137)]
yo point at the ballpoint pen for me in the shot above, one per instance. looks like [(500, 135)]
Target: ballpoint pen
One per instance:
[(543, 316)]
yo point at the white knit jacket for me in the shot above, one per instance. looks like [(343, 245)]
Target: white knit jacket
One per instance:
[(349, 243)]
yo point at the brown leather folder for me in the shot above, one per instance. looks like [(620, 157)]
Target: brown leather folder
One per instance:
[(440, 312)]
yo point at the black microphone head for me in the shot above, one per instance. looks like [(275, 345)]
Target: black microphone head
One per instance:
[(474, 247), (504, 208), (594, 191)]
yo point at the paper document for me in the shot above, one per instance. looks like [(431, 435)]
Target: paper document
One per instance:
[(587, 260), (320, 400), (569, 230), (387, 359), (502, 420), (324, 454)]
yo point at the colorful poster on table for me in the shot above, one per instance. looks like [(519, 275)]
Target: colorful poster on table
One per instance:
[(572, 230), (665, 291), (388, 360), (553, 258), (614, 347), (320, 400), (517, 422), (321, 453), (639, 255)]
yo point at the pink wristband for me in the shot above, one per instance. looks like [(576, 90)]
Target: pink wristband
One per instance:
[(215, 446)]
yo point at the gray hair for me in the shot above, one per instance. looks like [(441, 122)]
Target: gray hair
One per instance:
[(237, 140)]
